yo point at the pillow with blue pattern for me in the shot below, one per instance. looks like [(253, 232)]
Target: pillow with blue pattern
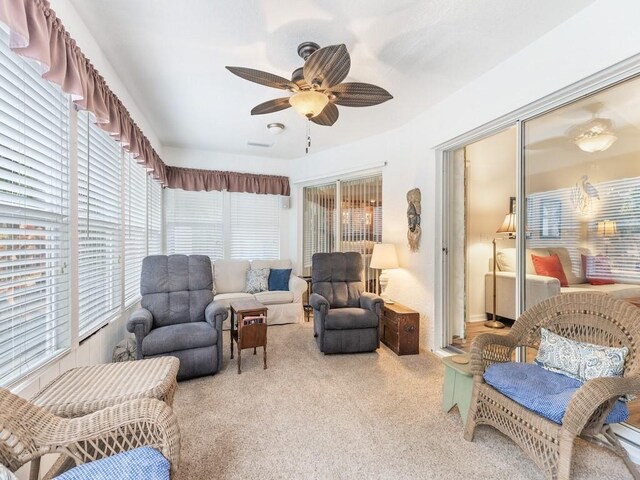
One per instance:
[(582, 361), (257, 280)]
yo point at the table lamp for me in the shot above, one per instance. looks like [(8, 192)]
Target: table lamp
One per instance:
[(509, 227), (384, 257)]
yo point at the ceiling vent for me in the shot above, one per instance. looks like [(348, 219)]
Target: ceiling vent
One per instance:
[(260, 144)]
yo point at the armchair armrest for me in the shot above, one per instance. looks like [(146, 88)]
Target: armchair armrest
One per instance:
[(215, 314), (142, 317), (136, 423), (140, 323), (297, 286), (371, 301), (591, 396), (318, 302), (488, 348)]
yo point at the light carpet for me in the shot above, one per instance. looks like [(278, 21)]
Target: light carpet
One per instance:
[(373, 416)]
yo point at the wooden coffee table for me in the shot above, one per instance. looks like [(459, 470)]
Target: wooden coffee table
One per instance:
[(247, 330)]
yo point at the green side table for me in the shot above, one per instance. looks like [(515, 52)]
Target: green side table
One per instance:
[(458, 384)]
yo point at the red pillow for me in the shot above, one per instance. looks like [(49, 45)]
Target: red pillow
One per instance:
[(550, 267), (600, 266)]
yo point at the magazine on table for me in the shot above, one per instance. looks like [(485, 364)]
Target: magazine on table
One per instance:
[(253, 320)]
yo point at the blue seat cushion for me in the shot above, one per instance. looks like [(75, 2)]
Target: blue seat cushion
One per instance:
[(144, 463), (541, 391), (182, 336), (350, 318)]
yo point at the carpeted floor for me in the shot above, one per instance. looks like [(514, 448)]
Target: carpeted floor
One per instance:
[(373, 416)]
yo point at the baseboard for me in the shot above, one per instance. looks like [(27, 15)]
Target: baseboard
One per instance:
[(482, 317)]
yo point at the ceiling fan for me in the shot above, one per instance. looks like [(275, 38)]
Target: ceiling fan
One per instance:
[(316, 86)]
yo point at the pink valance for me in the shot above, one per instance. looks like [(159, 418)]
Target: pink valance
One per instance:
[(36, 33), (208, 180)]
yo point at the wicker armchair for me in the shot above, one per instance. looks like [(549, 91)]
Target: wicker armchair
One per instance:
[(27, 432), (586, 317)]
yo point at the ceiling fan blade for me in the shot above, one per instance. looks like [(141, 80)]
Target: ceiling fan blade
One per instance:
[(271, 106), (328, 116), (359, 94), (327, 67), (263, 78)]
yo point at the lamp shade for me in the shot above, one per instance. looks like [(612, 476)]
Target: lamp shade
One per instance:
[(595, 143), (309, 103), (607, 228), (509, 224), (384, 256)]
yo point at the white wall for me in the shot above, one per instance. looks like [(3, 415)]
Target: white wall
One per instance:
[(491, 181), (596, 38)]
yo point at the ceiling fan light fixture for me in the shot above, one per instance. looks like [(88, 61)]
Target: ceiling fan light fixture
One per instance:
[(309, 103), (595, 142)]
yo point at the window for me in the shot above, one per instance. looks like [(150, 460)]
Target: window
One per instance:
[(99, 225), (34, 236), (195, 223), (223, 224), (255, 226), (135, 227), (154, 217)]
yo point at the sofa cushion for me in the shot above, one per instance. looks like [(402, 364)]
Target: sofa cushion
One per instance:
[(597, 269), (350, 318), (617, 290), (279, 279), (506, 259), (183, 336), (582, 361), (338, 278), (138, 464), (257, 280), (572, 270), (230, 275), (274, 298), (284, 263), (226, 298), (541, 391), (550, 267)]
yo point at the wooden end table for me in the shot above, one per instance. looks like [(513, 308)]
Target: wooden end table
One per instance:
[(248, 332)]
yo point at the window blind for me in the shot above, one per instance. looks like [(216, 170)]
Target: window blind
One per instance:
[(154, 217), (99, 225), (135, 227), (194, 223), (319, 222), (34, 195), (254, 225)]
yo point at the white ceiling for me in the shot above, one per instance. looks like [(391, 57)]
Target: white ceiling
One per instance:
[(171, 56)]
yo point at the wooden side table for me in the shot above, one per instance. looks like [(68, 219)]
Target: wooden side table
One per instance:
[(458, 385), (400, 329), (248, 335)]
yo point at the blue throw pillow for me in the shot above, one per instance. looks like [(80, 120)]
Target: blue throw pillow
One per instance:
[(279, 279)]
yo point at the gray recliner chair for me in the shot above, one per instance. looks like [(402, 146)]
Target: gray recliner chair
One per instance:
[(178, 316), (346, 319)]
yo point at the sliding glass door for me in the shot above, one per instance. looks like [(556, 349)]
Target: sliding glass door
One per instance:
[(582, 192), (345, 215)]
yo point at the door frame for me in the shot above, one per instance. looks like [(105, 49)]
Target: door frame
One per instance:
[(602, 80)]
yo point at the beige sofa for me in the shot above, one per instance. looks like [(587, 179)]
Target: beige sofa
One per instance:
[(538, 287), (229, 279)]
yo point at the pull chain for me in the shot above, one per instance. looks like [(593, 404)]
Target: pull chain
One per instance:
[(308, 136)]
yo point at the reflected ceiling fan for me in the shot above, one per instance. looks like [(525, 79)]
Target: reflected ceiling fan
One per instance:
[(316, 86)]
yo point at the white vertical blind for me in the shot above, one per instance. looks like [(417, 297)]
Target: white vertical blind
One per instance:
[(254, 226), (154, 217), (319, 220), (195, 223), (99, 225), (135, 227), (34, 236)]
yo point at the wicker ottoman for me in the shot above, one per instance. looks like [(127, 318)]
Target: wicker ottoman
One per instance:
[(84, 390)]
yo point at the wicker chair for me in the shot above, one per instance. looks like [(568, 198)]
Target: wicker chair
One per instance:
[(586, 317), (27, 432)]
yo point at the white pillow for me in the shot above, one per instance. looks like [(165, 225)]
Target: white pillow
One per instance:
[(582, 361), (257, 280)]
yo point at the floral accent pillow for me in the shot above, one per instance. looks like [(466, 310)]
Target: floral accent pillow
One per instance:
[(582, 361), (257, 280)]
